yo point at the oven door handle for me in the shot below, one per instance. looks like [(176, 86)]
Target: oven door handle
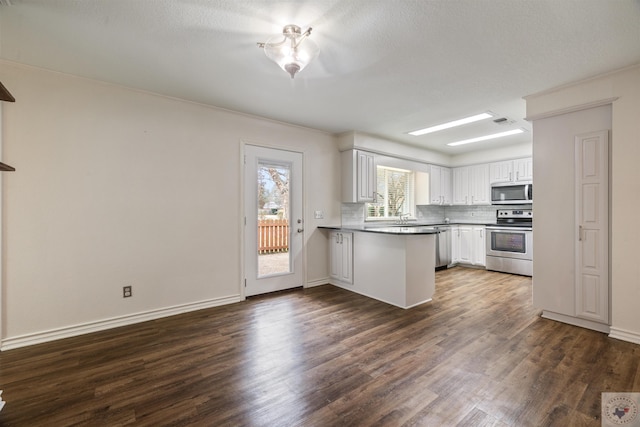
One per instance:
[(493, 228)]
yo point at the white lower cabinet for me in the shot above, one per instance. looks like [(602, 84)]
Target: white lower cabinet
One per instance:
[(455, 244), (478, 241), (341, 257), (468, 245)]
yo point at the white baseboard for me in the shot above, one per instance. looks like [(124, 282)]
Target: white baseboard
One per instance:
[(625, 335), (318, 282), (350, 288), (101, 325), (576, 321)]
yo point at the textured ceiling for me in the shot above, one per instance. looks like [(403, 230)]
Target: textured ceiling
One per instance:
[(386, 67)]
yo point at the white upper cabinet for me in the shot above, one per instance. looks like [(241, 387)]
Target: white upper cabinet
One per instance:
[(480, 186), (358, 176), (511, 170), (446, 185), (439, 185), (461, 195), (523, 169), (500, 171), (471, 185)]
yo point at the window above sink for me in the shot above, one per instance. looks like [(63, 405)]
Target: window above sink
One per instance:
[(394, 196)]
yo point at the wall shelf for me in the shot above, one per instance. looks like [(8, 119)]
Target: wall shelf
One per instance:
[(5, 95), (6, 168)]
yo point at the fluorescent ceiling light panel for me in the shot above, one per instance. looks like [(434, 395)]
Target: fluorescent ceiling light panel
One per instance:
[(484, 138), (452, 124)]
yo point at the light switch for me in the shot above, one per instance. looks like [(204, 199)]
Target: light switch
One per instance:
[(318, 215)]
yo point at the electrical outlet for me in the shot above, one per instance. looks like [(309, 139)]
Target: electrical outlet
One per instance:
[(127, 291), (318, 215)]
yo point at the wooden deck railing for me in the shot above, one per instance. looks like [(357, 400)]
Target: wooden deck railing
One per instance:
[(273, 236)]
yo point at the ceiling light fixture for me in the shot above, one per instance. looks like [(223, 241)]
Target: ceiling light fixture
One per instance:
[(292, 51), (486, 137), (452, 124)]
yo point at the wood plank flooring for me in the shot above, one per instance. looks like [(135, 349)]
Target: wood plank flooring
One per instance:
[(478, 355)]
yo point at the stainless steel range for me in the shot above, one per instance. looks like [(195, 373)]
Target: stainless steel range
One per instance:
[(510, 242)]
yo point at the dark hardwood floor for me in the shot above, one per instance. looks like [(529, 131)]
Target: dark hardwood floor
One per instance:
[(478, 355)]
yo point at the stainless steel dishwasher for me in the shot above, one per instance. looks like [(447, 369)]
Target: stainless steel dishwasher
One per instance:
[(443, 246)]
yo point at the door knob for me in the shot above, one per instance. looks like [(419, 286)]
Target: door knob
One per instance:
[(300, 230)]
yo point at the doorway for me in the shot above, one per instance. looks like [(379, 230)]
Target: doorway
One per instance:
[(274, 226)]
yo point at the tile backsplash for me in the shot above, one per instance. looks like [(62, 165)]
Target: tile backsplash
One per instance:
[(483, 214), (430, 213), (353, 213)]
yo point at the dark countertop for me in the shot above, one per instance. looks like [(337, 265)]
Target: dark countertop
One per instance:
[(391, 229), (402, 229)]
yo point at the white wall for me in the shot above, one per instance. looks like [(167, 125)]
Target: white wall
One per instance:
[(623, 89), (119, 187)]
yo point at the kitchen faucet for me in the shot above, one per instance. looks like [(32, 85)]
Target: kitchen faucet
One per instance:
[(403, 218)]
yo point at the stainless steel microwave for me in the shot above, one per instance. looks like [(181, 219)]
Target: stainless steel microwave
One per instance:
[(511, 193)]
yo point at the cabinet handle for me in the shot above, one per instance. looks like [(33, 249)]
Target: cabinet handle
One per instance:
[(510, 176), (580, 233), (517, 175)]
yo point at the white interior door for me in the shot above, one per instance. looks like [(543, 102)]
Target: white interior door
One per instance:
[(592, 212), (273, 220)]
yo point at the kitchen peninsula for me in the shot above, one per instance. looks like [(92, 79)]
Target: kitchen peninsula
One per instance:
[(394, 264)]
